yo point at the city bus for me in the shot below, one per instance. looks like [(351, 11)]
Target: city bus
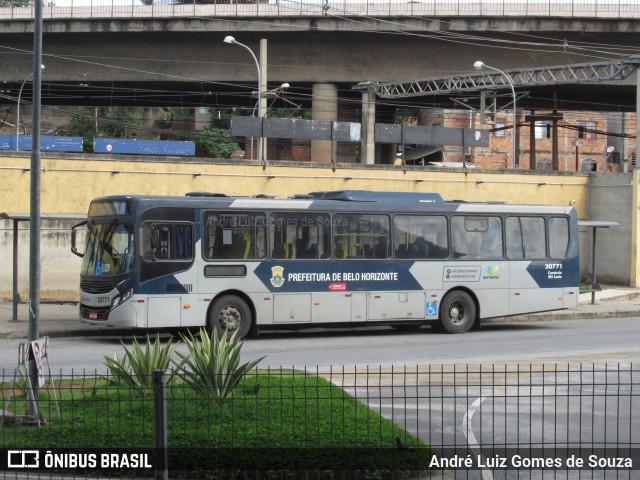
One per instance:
[(331, 259)]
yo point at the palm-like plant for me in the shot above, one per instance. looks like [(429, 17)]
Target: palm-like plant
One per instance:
[(212, 365), (136, 367)]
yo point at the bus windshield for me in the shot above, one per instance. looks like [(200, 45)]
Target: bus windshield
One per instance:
[(109, 249)]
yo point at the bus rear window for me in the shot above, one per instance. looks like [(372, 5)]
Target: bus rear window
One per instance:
[(558, 237)]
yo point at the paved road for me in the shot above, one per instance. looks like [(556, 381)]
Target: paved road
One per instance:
[(611, 340), (507, 384)]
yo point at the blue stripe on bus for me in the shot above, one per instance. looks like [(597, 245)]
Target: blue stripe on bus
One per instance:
[(555, 273), (348, 275)]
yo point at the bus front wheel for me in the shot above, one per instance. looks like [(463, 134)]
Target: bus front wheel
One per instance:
[(457, 312), (231, 314)]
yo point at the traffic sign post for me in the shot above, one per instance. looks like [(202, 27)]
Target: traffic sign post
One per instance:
[(36, 351)]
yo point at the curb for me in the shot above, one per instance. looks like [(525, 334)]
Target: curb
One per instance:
[(81, 331)]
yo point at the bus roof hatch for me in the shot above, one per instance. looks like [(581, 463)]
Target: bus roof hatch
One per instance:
[(371, 196)]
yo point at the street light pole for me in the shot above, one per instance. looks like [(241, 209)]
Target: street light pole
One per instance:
[(229, 39), (267, 94), (18, 107), (34, 201), (273, 93), (479, 65)]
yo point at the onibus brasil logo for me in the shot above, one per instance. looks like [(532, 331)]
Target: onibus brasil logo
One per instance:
[(277, 276)]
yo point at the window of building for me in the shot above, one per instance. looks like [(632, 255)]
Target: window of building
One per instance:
[(586, 130), (589, 165), (614, 158), (418, 236), (544, 164), (499, 128), (543, 129)]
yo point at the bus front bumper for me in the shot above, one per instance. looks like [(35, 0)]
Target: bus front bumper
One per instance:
[(125, 315)]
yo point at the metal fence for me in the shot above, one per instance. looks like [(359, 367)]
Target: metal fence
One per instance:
[(472, 422), (623, 9)]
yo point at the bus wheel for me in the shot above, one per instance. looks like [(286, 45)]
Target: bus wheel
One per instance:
[(457, 312), (230, 313)]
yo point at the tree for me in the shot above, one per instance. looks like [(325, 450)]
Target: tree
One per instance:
[(116, 122), (216, 140)]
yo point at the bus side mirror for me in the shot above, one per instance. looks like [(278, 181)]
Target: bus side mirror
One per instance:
[(156, 242), (155, 237), (74, 230)]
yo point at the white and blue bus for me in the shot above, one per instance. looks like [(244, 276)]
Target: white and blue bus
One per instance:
[(338, 258)]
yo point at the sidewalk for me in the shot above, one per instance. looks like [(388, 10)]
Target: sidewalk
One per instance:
[(61, 320)]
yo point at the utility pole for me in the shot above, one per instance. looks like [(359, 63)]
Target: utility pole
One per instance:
[(34, 213)]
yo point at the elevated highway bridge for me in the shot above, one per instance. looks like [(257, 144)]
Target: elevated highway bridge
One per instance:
[(115, 53)]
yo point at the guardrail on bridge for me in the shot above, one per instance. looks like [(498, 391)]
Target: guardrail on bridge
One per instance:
[(622, 9)]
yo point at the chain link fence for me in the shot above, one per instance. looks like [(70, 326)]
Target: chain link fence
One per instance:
[(472, 422)]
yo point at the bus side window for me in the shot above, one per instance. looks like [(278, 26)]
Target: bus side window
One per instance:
[(420, 236), (233, 236), (525, 238), (237, 245), (381, 249), (170, 241), (306, 250), (282, 250), (558, 237), (361, 235), (515, 246), (420, 249), (342, 250), (402, 251), (298, 236), (182, 242)]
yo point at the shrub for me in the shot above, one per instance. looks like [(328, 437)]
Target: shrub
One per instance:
[(212, 365), (136, 367)]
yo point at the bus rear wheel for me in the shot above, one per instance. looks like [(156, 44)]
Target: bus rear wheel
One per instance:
[(230, 314), (457, 312)]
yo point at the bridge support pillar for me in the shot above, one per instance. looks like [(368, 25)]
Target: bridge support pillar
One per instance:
[(368, 125), (637, 132), (324, 107)]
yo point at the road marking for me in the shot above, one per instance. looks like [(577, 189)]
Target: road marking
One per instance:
[(471, 438)]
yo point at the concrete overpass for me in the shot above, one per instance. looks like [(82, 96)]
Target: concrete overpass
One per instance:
[(156, 58)]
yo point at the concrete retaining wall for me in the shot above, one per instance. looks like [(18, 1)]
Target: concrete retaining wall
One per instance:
[(611, 198), (69, 183)]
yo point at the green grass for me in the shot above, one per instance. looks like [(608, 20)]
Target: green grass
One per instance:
[(294, 421)]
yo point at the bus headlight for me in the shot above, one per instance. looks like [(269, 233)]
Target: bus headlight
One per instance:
[(121, 298)]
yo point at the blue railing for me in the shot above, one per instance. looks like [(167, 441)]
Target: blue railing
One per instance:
[(623, 9), (101, 145), (47, 143)]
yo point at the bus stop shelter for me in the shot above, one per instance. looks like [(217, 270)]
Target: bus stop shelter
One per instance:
[(594, 225), (16, 218)]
